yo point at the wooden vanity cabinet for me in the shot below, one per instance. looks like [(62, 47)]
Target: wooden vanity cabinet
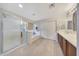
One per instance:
[(71, 50), (60, 41), (67, 48), (64, 48)]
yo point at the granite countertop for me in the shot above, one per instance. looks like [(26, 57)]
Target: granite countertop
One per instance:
[(70, 36)]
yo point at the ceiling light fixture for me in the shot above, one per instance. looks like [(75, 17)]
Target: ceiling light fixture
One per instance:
[(20, 5)]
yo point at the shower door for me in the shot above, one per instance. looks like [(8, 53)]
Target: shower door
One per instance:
[(24, 33), (11, 32)]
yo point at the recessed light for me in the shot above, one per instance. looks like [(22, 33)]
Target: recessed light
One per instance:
[(52, 5), (20, 5)]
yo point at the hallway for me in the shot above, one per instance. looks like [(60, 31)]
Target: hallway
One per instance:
[(39, 48)]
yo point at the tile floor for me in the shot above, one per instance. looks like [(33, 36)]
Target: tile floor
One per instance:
[(40, 47)]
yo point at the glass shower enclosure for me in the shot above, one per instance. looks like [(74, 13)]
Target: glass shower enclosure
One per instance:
[(10, 32)]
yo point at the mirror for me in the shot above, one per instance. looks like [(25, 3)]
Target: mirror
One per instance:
[(75, 21), (70, 25)]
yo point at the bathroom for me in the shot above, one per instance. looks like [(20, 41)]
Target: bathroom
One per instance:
[(32, 22)]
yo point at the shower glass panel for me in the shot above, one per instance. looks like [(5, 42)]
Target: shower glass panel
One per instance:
[(24, 32), (11, 32)]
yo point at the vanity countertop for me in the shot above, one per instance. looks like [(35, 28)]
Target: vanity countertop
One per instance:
[(70, 36)]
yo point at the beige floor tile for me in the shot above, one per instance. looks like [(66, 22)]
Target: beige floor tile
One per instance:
[(41, 47)]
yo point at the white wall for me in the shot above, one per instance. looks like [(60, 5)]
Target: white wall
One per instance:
[(78, 30), (1, 34), (47, 29)]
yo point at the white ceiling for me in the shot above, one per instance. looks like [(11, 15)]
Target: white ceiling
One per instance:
[(41, 10)]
